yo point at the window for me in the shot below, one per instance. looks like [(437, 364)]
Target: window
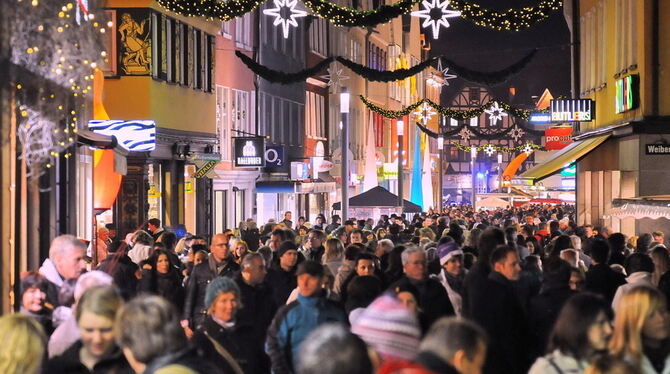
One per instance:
[(109, 40), (315, 126), (354, 51), (226, 28), (378, 124), (626, 35), (474, 121), (393, 58), (239, 112), (223, 120), (318, 32), (453, 122), (243, 31)]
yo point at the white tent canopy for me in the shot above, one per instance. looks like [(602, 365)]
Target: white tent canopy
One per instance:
[(492, 203)]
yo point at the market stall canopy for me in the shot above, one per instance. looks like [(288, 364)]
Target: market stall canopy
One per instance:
[(492, 202), (642, 207), (378, 197), (565, 156)]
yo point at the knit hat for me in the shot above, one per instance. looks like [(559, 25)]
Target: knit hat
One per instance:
[(389, 328), (286, 246), (312, 268), (218, 286), (448, 250)]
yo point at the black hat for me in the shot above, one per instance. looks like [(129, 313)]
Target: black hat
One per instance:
[(312, 268), (349, 222), (286, 246)]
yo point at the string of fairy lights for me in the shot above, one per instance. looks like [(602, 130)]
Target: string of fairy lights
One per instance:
[(490, 149), (508, 20), (56, 49)]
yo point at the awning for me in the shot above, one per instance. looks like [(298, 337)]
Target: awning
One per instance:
[(275, 187), (565, 156), (96, 140), (653, 207)]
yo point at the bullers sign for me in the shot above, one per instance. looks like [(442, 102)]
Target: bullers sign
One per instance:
[(572, 110), (249, 152)]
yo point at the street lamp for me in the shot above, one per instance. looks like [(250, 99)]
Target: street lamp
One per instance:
[(473, 158), (401, 132), (440, 148), (344, 111)]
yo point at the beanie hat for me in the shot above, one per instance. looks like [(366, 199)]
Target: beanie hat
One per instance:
[(286, 246), (389, 328), (218, 286), (448, 250), (312, 268)]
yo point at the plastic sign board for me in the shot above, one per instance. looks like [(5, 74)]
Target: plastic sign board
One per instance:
[(249, 152), (627, 93), (657, 149), (572, 110), (274, 156), (557, 137), (133, 136), (539, 117)]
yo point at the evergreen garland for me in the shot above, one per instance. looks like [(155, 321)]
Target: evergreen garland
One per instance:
[(451, 113), (216, 9), (375, 75), (280, 77), (496, 148), (511, 19), (348, 17)]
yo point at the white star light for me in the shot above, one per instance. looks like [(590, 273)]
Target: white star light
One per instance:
[(425, 112), (516, 133), (432, 7), (335, 77), (465, 134), (292, 14), (496, 113), (489, 150), (527, 149)]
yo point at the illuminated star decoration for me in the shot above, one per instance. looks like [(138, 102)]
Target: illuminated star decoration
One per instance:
[(425, 113), (291, 15), (516, 133), (496, 113), (430, 17), (335, 77), (445, 73), (527, 149), (465, 134), (489, 150)]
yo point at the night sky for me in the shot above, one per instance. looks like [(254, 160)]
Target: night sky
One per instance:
[(486, 49)]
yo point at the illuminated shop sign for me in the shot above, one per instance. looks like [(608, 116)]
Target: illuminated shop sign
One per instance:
[(133, 136), (627, 93), (572, 110), (249, 152), (557, 137), (539, 117)]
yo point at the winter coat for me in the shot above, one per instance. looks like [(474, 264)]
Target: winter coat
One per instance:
[(69, 362), (558, 363), (639, 278), (184, 361), (601, 279), (282, 281), (475, 282), (238, 340), (496, 308), (140, 252), (291, 326), (454, 296), (169, 286), (648, 368), (433, 300), (122, 269), (66, 334), (194, 302), (48, 270), (258, 308), (252, 237), (544, 310)]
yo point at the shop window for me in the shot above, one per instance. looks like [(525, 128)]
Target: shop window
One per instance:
[(220, 205), (155, 193), (190, 201)]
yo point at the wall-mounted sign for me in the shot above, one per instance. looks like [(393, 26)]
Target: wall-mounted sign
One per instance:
[(390, 170), (300, 170), (325, 166), (572, 110), (539, 117), (133, 136), (249, 152), (274, 156), (627, 93), (557, 137), (657, 149)]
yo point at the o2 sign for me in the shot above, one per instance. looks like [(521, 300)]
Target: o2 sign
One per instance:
[(274, 156)]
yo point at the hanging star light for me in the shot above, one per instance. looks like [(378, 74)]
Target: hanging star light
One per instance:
[(278, 13), (527, 149), (496, 113), (335, 77), (465, 134), (516, 133), (445, 73), (430, 11), (425, 112), (489, 150)]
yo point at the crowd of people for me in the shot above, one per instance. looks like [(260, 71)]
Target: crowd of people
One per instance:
[(509, 291)]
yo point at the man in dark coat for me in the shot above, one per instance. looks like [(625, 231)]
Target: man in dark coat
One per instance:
[(476, 280), (600, 278), (433, 298), (281, 275), (220, 264), (544, 308), (313, 248), (497, 309)]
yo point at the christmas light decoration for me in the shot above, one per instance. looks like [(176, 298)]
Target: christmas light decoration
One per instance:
[(489, 150), (335, 77), (516, 133), (496, 148), (425, 113), (431, 18), (509, 20), (465, 134), (279, 12), (495, 113)]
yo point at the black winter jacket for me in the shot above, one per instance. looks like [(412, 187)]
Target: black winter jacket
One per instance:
[(202, 274)]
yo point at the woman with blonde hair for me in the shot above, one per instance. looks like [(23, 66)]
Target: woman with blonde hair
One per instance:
[(333, 254), (641, 330), (240, 250), (23, 345)]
